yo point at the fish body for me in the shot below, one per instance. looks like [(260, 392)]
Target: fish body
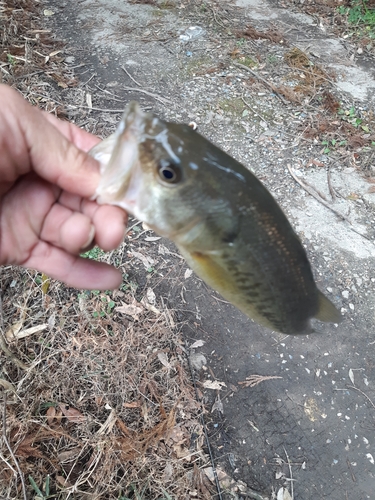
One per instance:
[(226, 224)]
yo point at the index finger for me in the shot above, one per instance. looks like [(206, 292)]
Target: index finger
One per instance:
[(30, 142)]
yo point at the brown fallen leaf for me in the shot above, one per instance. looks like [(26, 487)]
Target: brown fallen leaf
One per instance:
[(66, 456), (72, 414), (133, 404), (315, 162), (133, 310), (7, 385), (51, 413), (15, 332), (63, 481)]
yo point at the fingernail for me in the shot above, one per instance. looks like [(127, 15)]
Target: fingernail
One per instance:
[(91, 237)]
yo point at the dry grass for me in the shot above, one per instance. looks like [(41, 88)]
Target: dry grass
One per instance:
[(105, 408)]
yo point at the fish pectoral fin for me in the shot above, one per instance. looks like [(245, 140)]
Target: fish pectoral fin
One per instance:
[(327, 311)]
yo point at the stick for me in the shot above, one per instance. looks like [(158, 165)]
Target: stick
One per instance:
[(242, 66), (330, 187), (10, 449), (290, 472), (163, 100), (130, 76), (3, 344), (363, 394), (327, 205)]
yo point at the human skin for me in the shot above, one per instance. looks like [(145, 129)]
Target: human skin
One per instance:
[(46, 182)]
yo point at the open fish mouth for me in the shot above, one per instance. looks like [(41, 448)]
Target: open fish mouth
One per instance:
[(118, 156)]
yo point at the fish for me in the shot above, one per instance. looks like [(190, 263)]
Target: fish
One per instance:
[(223, 220)]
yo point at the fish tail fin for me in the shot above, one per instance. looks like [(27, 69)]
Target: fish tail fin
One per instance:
[(327, 311)]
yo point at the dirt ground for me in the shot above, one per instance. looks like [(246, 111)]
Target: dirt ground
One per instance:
[(284, 91)]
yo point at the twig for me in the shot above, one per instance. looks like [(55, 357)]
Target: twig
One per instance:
[(363, 394), (89, 80), (253, 380), (330, 187), (221, 25), (254, 73), (10, 449), (327, 205), (323, 196), (130, 76), (3, 344), (354, 479), (163, 100), (290, 472), (77, 106)]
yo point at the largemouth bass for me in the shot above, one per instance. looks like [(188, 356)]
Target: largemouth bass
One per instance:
[(225, 223)]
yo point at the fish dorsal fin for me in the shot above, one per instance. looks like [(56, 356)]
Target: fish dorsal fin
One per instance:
[(327, 311)]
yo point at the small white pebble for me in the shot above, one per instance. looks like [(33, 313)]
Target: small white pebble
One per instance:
[(345, 294), (351, 306)]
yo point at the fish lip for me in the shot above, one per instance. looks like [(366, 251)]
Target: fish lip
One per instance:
[(118, 168)]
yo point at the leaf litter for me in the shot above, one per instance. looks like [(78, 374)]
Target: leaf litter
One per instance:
[(107, 404)]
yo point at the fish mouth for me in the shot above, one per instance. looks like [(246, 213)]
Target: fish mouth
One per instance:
[(118, 156)]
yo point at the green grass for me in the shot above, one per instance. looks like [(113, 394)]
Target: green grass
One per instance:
[(360, 15)]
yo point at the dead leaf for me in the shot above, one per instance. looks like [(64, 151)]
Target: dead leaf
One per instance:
[(177, 434), (283, 494), (163, 358), (45, 283), (13, 333), (133, 310), (315, 162), (188, 273), (214, 384), (147, 261), (54, 53), (133, 404), (64, 482), (65, 456), (151, 297), (73, 415), (197, 343), (218, 405), (51, 413), (182, 452), (153, 238), (197, 361), (7, 385)]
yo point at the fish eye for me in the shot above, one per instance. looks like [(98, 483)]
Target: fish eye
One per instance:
[(169, 172)]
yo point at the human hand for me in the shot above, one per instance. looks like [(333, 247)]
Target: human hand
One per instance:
[(46, 181)]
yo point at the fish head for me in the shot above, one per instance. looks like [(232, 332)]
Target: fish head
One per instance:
[(159, 173)]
